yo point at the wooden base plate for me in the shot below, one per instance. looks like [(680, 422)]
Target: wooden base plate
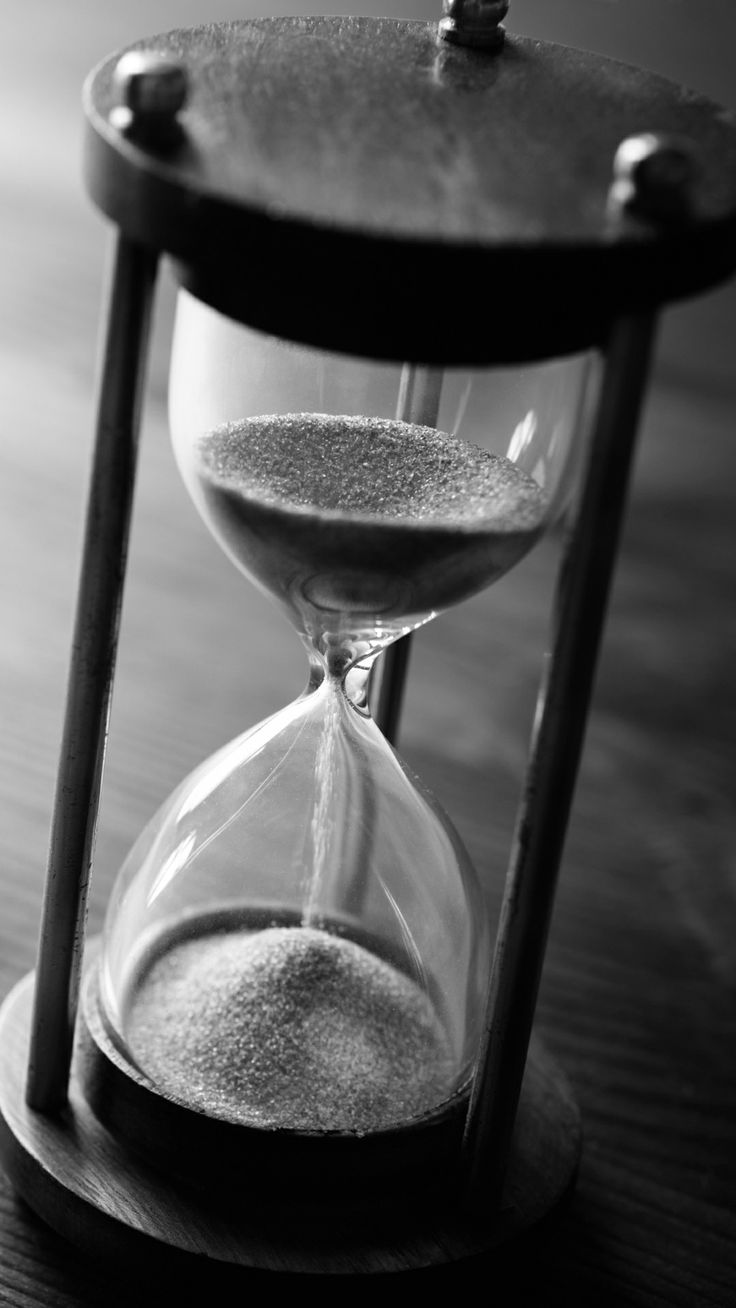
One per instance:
[(81, 1181)]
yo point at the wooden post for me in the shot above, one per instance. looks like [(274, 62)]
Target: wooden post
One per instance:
[(557, 742), (90, 677), (419, 401)]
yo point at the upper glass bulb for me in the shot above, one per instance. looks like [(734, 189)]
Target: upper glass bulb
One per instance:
[(365, 497)]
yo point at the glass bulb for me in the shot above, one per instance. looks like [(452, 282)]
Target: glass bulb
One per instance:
[(298, 939)]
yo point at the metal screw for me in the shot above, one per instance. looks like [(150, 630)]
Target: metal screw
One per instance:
[(152, 88), (653, 177), (474, 22)]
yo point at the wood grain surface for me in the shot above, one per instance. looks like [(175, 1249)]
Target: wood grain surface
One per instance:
[(638, 992)]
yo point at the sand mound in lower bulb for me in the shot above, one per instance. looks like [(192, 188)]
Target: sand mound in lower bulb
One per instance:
[(289, 1027)]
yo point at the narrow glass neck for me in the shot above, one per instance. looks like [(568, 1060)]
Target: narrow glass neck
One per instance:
[(348, 675)]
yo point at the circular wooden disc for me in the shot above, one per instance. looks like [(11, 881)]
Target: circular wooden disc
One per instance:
[(85, 1185), (357, 184)]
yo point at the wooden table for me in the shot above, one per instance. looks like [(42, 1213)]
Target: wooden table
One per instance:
[(638, 992)]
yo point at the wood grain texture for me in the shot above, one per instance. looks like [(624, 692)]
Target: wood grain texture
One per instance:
[(638, 992)]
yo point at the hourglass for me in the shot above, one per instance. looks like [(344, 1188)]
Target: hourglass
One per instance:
[(296, 1049), (302, 869)]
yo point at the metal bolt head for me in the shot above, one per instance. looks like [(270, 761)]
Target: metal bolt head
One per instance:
[(151, 83), (474, 22), (653, 176), (152, 89)]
